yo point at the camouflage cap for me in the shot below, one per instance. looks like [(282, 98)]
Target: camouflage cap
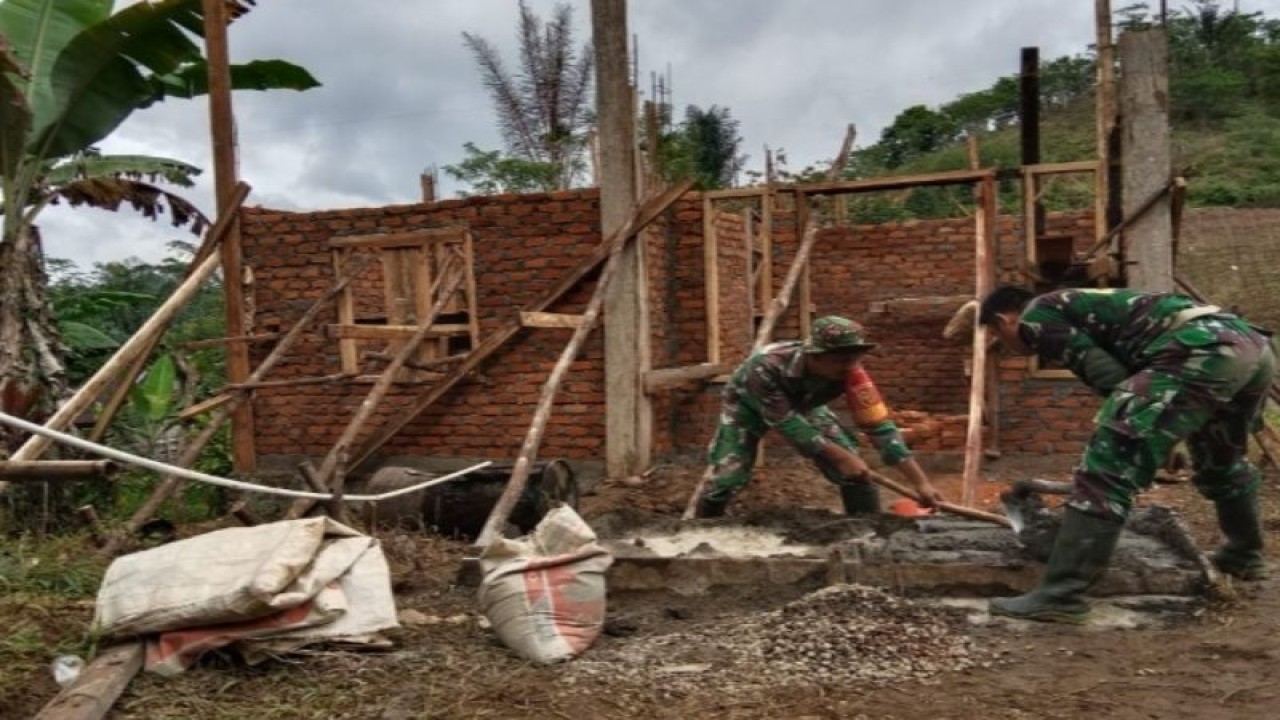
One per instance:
[(836, 333)]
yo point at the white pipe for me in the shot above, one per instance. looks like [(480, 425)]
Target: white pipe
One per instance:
[(198, 476)]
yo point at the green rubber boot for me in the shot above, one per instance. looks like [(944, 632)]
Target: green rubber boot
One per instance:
[(1080, 554), (860, 498), (1241, 555)]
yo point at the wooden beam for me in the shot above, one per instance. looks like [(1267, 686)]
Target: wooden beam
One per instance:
[(100, 684), (736, 193), (644, 215), (837, 167), (204, 406), (711, 279), (806, 282), (765, 290), (926, 306), (656, 381), (1147, 165), (392, 332), (1062, 168), (549, 320), (169, 484), (216, 342), (898, 182), (222, 132), (984, 218), (34, 470), (628, 414), (134, 347), (291, 382), (779, 304), (1105, 114), (407, 239)]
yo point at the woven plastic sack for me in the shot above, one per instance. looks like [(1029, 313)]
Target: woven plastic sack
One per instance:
[(544, 594)]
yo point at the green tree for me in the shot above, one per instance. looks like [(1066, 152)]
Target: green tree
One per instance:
[(543, 109), (489, 172), (70, 72), (706, 146)]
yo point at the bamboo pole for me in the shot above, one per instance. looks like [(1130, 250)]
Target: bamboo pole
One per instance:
[(135, 346), (18, 470), (644, 215), (194, 448), (339, 453), (321, 380), (100, 684), (983, 281), (546, 400), (779, 303)]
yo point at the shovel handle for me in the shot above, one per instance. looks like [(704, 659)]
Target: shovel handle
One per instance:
[(952, 508)]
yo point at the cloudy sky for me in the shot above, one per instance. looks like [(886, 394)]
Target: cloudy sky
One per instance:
[(401, 93)]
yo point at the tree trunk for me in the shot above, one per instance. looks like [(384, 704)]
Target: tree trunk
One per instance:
[(32, 374)]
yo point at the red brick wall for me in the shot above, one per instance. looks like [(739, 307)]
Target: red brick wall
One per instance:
[(524, 244)]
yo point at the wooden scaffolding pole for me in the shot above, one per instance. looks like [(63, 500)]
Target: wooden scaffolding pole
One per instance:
[(643, 216), (196, 446), (91, 695), (711, 278), (222, 131), (134, 347), (806, 286)]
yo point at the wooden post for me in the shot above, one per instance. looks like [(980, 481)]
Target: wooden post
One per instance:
[(1146, 166), (711, 278), (428, 182), (134, 347), (100, 684), (629, 416), (222, 130), (1105, 116), (806, 288), (645, 214), (837, 167), (197, 444), (779, 304), (1029, 124), (984, 275)]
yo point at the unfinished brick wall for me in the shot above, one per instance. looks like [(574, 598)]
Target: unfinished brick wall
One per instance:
[(524, 244)]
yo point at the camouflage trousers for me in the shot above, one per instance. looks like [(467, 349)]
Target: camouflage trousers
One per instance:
[(1205, 383), (733, 450)]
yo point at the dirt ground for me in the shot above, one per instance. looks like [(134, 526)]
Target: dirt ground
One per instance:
[(1225, 663)]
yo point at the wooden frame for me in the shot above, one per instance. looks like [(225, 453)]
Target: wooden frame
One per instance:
[(411, 262)]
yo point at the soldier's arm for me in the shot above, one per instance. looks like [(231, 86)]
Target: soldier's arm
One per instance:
[(766, 397), (871, 415), (1057, 336)]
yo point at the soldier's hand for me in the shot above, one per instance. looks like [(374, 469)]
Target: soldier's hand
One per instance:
[(929, 495)]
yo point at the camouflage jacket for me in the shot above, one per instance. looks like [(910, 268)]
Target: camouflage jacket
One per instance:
[(1102, 336), (771, 390)]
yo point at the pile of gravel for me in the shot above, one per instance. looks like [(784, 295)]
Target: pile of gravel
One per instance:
[(840, 634)]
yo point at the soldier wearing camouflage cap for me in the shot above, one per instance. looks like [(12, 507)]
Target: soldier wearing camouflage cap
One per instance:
[(786, 386), (1171, 370)]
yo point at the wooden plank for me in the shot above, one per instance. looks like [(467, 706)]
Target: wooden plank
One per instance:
[(291, 382), (766, 251), (711, 279), (100, 684), (411, 238), (549, 320), (736, 193), (628, 414), (420, 269), (215, 342), (837, 167), (925, 306), (204, 406), (645, 214), (57, 469), (134, 347), (1105, 114), (984, 274), (392, 332), (656, 381), (806, 282), (348, 350), (1062, 168), (895, 182), (779, 304), (1146, 164), (473, 313)]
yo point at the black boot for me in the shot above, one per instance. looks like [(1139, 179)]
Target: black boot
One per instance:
[(1241, 555), (860, 498), (710, 508), (1081, 552)]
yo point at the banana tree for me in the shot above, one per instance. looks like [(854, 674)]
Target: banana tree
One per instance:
[(70, 72)]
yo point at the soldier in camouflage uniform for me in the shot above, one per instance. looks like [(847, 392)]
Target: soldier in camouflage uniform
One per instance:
[(786, 386), (1171, 370)]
